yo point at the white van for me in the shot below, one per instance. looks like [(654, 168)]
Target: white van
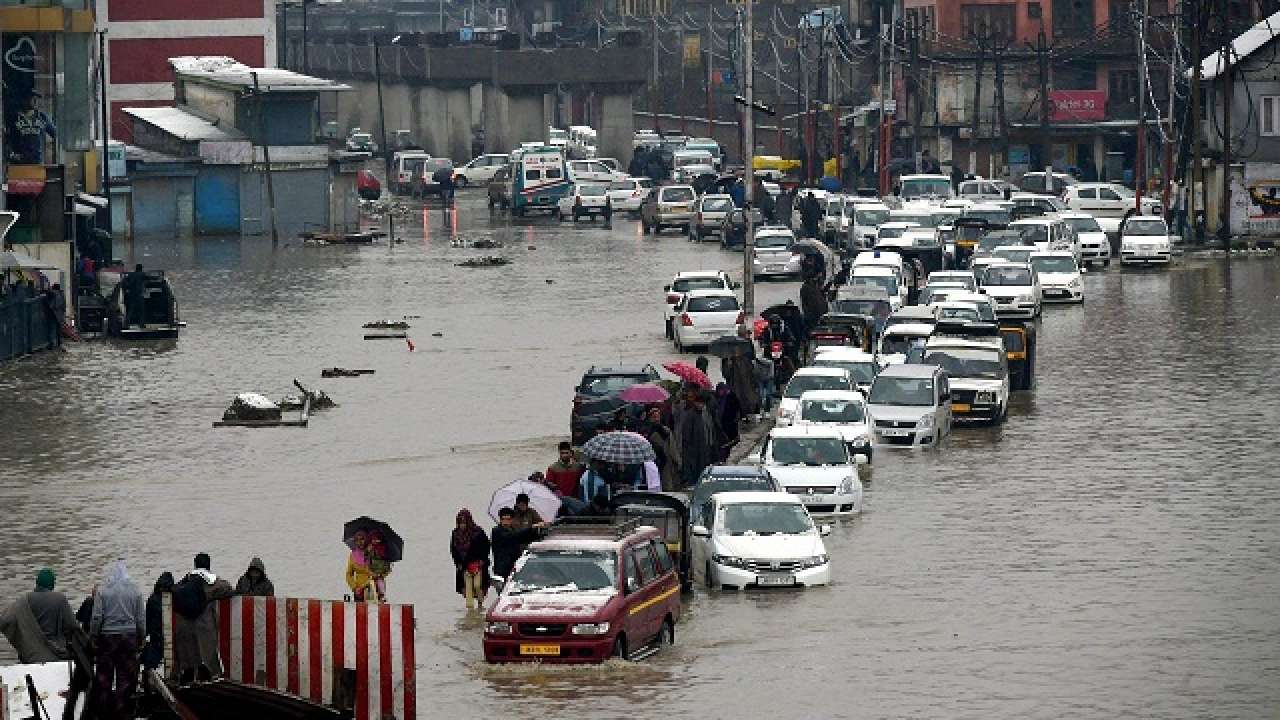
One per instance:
[(408, 165)]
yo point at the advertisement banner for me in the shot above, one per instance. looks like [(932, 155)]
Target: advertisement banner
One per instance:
[(692, 50), (25, 124), (1262, 190), (1078, 105)]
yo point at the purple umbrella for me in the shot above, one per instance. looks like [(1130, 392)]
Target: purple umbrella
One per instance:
[(644, 393)]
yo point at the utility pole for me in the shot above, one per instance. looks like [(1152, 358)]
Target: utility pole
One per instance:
[(882, 166), (104, 111), (1197, 131), (684, 129), (266, 156), (1140, 162), (1228, 94), (913, 54), (893, 94), (997, 50), (1174, 23), (748, 170), (833, 92), (382, 129), (777, 95), (1042, 49), (306, 58), (653, 88), (981, 42), (744, 113), (710, 122)]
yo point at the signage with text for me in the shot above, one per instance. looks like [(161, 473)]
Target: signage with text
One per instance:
[(1078, 105)]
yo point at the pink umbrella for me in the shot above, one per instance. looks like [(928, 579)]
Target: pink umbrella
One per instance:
[(689, 373), (644, 393)]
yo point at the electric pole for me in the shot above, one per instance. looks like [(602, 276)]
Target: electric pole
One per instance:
[(266, 153), (998, 50), (1228, 94), (981, 41), (1042, 50), (748, 169), (882, 163), (1174, 71), (1140, 162), (1197, 131), (913, 48)]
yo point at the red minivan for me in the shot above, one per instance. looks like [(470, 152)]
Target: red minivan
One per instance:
[(584, 594)]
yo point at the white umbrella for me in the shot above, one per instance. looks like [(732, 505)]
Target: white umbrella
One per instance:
[(14, 260), (540, 498)]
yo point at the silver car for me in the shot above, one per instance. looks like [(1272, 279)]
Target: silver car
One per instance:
[(773, 256), (910, 406)]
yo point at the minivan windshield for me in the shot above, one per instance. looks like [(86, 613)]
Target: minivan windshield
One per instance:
[(813, 451), (888, 282), (966, 363), (564, 571), (1145, 227), (1054, 264), (1084, 224), (800, 384), (1007, 276), (677, 194), (766, 519), (920, 187), (870, 217), (902, 391)]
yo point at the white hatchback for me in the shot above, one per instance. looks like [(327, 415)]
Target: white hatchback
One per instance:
[(627, 195), (814, 463), (759, 539), (807, 379), (1060, 279), (840, 410), (1015, 288), (704, 315), (586, 200)]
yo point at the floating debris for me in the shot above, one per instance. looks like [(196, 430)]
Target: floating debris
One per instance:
[(356, 238), (482, 243), (251, 406), (485, 261), (386, 325), (317, 399), (335, 372), (437, 334), (385, 336)]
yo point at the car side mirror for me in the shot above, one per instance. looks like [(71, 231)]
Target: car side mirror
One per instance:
[(701, 531), (824, 530)]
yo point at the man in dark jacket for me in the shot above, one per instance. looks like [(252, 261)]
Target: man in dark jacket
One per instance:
[(39, 625), (810, 214), (254, 581), (509, 541), (135, 289)]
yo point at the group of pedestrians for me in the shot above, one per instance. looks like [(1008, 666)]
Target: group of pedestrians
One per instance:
[(120, 632), (471, 548)]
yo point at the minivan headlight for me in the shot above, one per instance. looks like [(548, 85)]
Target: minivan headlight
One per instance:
[(498, 628), (590, 628)]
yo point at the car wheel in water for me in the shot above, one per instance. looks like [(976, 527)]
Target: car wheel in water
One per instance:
[(620, 648)]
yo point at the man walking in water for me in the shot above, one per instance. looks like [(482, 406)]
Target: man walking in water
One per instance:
[(135, 289)]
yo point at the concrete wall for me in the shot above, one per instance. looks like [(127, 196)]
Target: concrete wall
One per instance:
[(440, 119), (617, 128)]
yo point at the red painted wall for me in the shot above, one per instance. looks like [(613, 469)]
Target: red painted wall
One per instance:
[(146, 60), (128, 10)]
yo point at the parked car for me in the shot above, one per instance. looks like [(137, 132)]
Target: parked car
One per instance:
[(1108, 200), (689, 164), (910, 406), (667, 206), (884, 277), (1055, 184), (1059, 275), (897, 341), (586, 200), (628, 194), (710, 214), (480, 170), (978, 373), (361, 142), (499, 188), (840, 410), (814, 464), (704, 315), (585, 595), (687, 281), (964, 277), (758, 539), (1094, 245), (1145, 240), (593, 171), (806, 379), (407, 165), (772, 255), (1040, 204), (596, 396), (1015, 288), (980, 191)]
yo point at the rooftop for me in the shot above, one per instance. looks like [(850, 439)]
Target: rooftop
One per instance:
[(1246, 44), (143, 155), (183, 124), (229, 73)]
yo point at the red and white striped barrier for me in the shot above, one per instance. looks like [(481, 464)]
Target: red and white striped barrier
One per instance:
[(296, 646)]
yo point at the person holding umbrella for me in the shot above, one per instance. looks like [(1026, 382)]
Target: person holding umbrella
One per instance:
[(374, 547), (510, 541), (469, 547)]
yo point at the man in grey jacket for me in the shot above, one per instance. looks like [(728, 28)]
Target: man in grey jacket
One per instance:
[(118, 626), (40, 623)]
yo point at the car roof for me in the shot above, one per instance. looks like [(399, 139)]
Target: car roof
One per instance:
[(569, 541), (831, 395), (821, 372), (1038, 220), (774, 230), (735, 471), (843, 353), (710, 292), (1144, 217), (739, 497), (717, 196), (912, 311), (926, 176), (799, 431), (619, 369), (959, 342), (904, 224), (1097, 185), (969, 297), (690, 274), (951, 273), (910, 328), (677, 187), (878, 269), (909, 370), (1053, 253)]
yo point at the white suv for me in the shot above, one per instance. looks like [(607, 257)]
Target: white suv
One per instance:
[(814, 463), (761, 539), (1015, 288), (979, 375), (1095, 247), (1107, 200)]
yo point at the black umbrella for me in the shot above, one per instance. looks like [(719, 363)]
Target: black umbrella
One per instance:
[(367, 525), (704, 182), (730, 346)]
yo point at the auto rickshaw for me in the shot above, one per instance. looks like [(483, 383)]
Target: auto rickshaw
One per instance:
[(968, 231), (670, 515), (1020, 347), (842, 330)]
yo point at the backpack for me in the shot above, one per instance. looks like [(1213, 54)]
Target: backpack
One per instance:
[(189, 598)]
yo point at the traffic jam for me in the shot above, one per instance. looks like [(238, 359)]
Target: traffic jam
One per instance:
[(916, 316)]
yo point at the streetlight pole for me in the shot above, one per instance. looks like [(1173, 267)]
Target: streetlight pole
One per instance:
[(748, 168), (266, 157), (382, 129), (105, 112)]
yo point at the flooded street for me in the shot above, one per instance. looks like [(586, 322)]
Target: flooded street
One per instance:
[(1112, 550)]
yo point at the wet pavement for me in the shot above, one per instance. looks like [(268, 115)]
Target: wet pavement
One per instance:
[(1111, 550)]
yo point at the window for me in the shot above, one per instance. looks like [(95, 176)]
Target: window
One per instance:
[(664, 557), (643, 561), (1033, 10), (532, 174), (1088, 194), (1270, 111), (633, 574), (1107, 194), (996, 21), (553, 173)]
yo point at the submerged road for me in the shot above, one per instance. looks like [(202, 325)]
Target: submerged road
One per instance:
[(1112, 550)]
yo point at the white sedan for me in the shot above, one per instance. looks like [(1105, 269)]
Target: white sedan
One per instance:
[(1145, 240), (585, 201), (691, 280), (627, 195), (840, 410), (1060, 279), (704, 315), (760, 539)]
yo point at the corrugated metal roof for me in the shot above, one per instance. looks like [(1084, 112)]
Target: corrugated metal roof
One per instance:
[(1246, 44), (143, 155), (227, 71), (182, 124)]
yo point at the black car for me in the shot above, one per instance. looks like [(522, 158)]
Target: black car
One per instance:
[(596, 398)]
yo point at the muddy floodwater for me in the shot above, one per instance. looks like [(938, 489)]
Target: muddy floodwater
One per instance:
[(1113, 550)]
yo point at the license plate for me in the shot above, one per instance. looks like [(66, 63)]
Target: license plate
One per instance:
[(679, 208), (776, 580), (959, 407), (773, 268), (895, 433), (539, 649), (811, 499)]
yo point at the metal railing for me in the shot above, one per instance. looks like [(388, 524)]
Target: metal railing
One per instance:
[(24, 327)]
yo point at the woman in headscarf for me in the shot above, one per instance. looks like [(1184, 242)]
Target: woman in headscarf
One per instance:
[(376, 555), (469, 547), (117, 627), (359, 576), (728, 415)]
